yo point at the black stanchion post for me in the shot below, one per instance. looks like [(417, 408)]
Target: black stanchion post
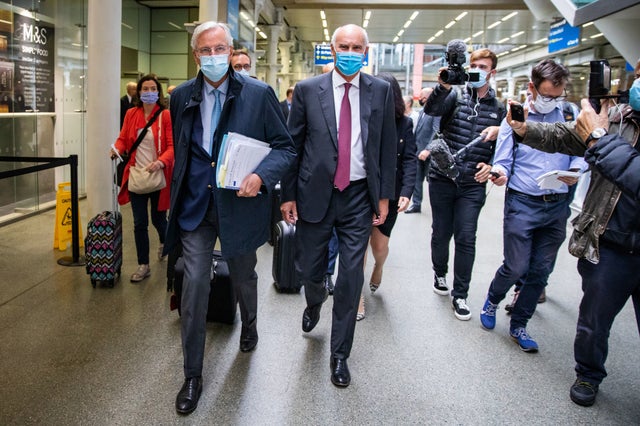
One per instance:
[(75, 216)]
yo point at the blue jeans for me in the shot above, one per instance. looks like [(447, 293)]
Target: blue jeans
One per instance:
[(422, 173), (606, 286), (455, 210), (139, 203), (533, 231)]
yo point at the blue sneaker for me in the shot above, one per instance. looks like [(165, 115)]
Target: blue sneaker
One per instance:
[(488, 315), (526, 343)]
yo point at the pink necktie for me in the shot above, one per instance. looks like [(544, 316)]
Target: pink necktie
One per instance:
[(342, 177)]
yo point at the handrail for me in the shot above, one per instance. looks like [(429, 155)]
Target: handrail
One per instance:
[(53, 162)]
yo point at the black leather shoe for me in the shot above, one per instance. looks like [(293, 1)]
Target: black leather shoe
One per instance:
[(340, 375), (311, 315), (328, 284), (248, 339), (583, 393), (413, 209), (187, 399)]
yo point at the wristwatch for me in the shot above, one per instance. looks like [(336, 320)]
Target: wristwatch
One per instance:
[(597, 133)]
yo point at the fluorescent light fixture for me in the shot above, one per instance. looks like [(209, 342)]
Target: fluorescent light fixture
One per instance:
[(400, 33), (326, 32), (324, 23), (495, 24), (478, 33), (466, 40), (517, 34), (450, 24), (584, 39), (244, 15), (327, 39), (462, 15), (258, 29), (407, 24), (587, 24), (263, 35), (365, 24), (174, 25), (251, 23), (367, 15), (431, 39), (439, 33), (322, 15), (542, 40), (395, 39), (596, 35), (127, 26), (503, 40), (414, 15), (509, 16)]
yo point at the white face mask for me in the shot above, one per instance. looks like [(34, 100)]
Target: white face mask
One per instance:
[(544, 107)]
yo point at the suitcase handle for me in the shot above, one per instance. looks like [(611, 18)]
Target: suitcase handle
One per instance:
[(114, 186)]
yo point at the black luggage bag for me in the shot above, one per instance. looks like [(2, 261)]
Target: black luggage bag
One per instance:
[(284, 269), (223, 303), (276, 216)]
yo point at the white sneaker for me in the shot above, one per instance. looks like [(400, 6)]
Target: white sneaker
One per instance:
[(440, 285)]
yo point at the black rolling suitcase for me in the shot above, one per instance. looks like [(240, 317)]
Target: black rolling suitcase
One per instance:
[(284, 270), (276, 216), (103, 244), (222, 299)]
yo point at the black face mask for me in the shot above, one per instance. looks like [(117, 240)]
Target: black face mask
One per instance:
[(422, 102)]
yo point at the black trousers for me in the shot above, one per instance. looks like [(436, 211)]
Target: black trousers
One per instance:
[(351, 213)]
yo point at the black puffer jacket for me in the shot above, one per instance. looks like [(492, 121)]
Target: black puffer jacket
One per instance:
[(463, 118)]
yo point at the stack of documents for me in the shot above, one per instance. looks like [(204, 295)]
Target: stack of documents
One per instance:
[(550, 180), (239, 157)]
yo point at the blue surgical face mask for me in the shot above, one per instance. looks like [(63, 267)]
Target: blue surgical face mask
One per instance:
[(634, 95), (244, 72), (481, 81), (349, 63), (149, 97), (214, 67)]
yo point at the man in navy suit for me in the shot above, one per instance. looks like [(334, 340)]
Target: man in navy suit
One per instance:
[(344, 177), (203, 110), (286, 104)]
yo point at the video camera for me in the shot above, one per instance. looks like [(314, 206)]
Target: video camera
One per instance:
[(456, 56), (600, 84)]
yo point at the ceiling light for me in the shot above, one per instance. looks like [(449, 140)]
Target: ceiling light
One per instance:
[(322, 15), (258, 29), (400, 33), (450, 24), (326, 32), (414, 15), (174, 25), (509, 16), (367, 15), (250, 22), (365, 24), (466, 40), (244, 15), (407, 24), (495, 24), (324, 23), (439, 33), (503, 40), (596, 35), (584, 39), (431, 39), (462, 15), (326, 38), (395, 39), (587, 24), (478, 33), (127, 26), (542, 40), (263, 35), (517, 34)]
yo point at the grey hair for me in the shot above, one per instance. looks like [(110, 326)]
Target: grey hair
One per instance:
[(210, 25), (364, 34)]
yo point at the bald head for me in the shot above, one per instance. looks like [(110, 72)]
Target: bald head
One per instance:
[(424, 95)]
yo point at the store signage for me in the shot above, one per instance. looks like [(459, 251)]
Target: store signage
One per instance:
[(563, 36)]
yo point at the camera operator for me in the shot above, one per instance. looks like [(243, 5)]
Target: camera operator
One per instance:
[(606, 236), (466, 113)]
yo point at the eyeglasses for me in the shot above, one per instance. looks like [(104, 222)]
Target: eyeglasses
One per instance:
[(217, 50), (553, 98), (240, 67)]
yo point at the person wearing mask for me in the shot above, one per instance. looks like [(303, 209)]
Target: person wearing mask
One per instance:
[(241, 62), (535, 218), (466, 114), (405, 181), (342, 124), (204, 109), (286, 104), (425, 128), (155, 152), (606, 235), (128, 100)]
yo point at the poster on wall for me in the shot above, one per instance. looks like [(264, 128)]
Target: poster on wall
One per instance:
[(26, 65)]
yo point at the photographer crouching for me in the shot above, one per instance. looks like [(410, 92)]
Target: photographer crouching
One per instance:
[(456, 198)]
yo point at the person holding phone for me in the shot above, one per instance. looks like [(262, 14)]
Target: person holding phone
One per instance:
[(535, 219)]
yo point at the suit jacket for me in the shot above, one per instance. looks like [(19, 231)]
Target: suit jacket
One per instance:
[(124, 106), (250, 108), (425, 130), (406, 164), (312, 124), (285, 109)]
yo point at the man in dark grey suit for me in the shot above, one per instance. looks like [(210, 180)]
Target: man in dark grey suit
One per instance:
[(203, 110), (344, 178)]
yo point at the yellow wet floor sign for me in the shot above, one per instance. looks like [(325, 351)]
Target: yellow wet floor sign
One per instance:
[(62, 233)]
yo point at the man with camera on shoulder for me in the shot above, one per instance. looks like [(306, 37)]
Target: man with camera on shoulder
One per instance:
[(467, 112)]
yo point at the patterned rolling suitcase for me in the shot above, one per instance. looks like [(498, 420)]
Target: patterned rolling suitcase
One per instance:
[(285, 278), (103, 244)]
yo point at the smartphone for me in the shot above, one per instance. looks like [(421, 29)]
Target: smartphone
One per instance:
[(517, 112), (599, 82)]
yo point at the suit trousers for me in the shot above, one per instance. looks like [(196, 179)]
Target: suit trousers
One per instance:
[(351, 213), (198, 257), (422, 174)]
